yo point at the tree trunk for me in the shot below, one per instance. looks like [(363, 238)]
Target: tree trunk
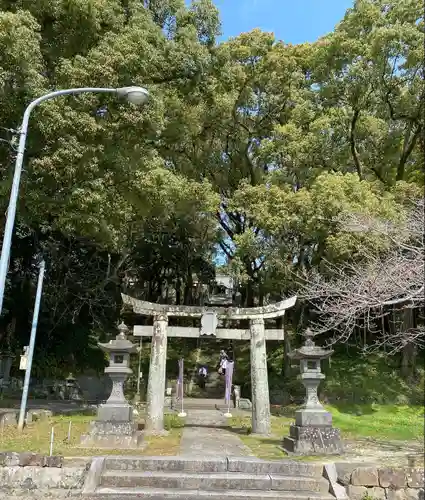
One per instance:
[(286, 361), (250, 294), (409, 351), (408, 360), (10, 333), (178, 292), (188, 290), (261, 298)]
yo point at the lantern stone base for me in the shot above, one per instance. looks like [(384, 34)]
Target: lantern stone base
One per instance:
[(313, 440), (113, 435), (313, 417), (115, 412)]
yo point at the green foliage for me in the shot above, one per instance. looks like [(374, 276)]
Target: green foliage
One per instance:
[(357, 380), (96, 184), (252, 145), (400, 422)]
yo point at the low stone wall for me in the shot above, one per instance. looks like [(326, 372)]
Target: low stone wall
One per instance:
[(33, 472), (92, 387), (10, 416), (35, 476), (373, 482), (27, 459)]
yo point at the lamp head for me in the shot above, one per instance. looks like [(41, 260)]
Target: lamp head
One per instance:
[(135, 95)]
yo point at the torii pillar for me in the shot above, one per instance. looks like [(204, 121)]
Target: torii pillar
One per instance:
[(259, 379), (154, 423)]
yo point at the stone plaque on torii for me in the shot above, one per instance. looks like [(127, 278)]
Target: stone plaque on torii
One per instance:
[(209, 318), (209, 324)]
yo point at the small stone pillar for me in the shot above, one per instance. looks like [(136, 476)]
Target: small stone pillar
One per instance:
[(236, 395), (157, 377), (312, 433), (114, 427), (259, 379)]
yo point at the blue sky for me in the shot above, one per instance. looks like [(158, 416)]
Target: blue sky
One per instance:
[(293, 21)]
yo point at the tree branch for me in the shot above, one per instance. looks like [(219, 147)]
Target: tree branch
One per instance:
[(353, 148), (408, 147), (370, 290), (224, 225)]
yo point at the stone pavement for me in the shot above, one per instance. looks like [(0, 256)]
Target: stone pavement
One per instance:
[(206, 433), (390, 453)]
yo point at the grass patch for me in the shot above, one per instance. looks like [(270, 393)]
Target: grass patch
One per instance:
[(163, 445), (36, 438), (382, 423), (166, 445), (263, 447), (398, 423)]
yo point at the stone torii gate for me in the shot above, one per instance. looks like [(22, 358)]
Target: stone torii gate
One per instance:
[(209, 316)]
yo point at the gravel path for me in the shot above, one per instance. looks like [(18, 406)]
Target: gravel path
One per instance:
[(390, 453), (205, 434)]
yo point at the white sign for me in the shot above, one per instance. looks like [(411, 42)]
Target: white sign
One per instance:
[(24, 362), (209, 323)]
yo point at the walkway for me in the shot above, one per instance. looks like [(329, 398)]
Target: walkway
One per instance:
[(206, 433)]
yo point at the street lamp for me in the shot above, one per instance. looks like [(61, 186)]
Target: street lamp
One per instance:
[(135, 95)]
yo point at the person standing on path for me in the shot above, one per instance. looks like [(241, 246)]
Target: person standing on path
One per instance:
[(202, 377), (222, 362)]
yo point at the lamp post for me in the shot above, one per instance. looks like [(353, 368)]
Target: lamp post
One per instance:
[(135, 95), (25, 390)]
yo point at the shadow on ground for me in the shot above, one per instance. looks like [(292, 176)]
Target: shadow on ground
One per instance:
[(234, 430)]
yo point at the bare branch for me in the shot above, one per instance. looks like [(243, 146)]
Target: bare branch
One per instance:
[(366, 293)]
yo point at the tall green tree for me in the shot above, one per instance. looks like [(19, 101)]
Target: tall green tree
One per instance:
[(83, 198)]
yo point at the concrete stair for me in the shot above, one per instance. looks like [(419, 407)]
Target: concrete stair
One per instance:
[(191, 477), (201, 404), (214, 387), (161, 494), (210, 481), (209, 350)]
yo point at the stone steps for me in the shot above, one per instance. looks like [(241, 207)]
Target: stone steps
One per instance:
[(214, 388), (249, 465), (201, 403), (167, 494), (214, 391), (211, 481), (197, 478)]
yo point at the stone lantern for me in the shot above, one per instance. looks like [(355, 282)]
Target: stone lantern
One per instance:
[(70, 380), (312, 432), (114, 427)]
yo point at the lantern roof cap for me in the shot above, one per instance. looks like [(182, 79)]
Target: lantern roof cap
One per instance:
[(310, 350), (120, 343)]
